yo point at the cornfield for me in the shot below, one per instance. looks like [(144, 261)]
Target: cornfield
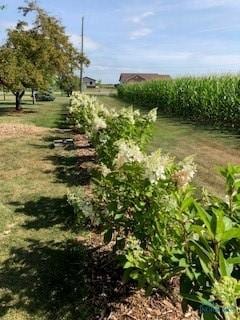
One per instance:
[(213, 100)]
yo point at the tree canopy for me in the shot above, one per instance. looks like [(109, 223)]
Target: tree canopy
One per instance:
[(34, 54), (68, 83)]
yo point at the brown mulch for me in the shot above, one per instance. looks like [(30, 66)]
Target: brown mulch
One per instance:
[(12, 130), (85, 152), (86, 156), (108, 293)]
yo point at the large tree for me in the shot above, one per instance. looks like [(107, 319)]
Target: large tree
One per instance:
[(35, 54), (68, 81)]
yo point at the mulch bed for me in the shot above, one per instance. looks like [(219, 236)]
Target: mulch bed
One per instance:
[(116, 299)]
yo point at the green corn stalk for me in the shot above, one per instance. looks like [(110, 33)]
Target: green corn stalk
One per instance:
[(213, 100)]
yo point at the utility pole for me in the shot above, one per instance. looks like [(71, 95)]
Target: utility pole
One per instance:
[(81, 62)]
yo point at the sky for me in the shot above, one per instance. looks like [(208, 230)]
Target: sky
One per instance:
[(175, 37)]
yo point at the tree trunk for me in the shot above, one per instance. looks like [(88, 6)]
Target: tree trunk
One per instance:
[(19, 95), (33, 96)]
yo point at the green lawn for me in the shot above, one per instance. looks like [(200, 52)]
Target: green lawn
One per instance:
[(211, 148), (41, 268), (42, 114)]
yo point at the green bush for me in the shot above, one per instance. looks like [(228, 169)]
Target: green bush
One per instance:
[(145, 205), (162, 230), (213, 100), (83, 212), (104, 128), (44, 96)]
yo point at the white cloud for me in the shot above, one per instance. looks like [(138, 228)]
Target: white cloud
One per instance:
[(141, 17), (89, 43), (139, 33)]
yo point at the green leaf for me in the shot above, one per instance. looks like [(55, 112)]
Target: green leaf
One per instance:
[(227, 223), (225, 268), (118, 216), (203, 257), (197, 229), (209, 316), (234, 260), (134, 275), (128, 265), (186, 203), (230, 234), (183, 263), (198, 299), (204, 217), (108, 235), (217, 222)]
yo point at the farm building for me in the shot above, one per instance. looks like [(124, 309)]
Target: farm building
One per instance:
[(139, 77), (89, 82)]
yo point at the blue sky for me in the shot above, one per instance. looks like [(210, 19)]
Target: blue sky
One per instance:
[(176, 37)]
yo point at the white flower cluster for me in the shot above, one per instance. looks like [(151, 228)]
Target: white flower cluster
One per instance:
[(128, 152), (98, 123), (155, 166), (130, 114), (185, 174), (92, 116), (81, 100), (152, 115), (88, 113), (104, 170)]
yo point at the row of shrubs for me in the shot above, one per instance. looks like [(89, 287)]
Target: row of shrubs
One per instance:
[(145, 205), (213, 100)]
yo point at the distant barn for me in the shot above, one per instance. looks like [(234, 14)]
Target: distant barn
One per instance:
[(139, 77), (89, 82)]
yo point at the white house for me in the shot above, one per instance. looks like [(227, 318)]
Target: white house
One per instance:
[(89, 82)]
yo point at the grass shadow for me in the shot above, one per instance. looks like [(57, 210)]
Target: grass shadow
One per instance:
[(11, 111), (70, 169), (8, 107), (61, 123), (47, 212), (61, 280)]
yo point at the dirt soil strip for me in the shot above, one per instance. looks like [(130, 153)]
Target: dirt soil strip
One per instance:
[(115, 299), (8, 130)]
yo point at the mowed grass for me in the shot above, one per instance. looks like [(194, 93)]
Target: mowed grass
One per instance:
[(41, 274), (211, 148), (45, 114)]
